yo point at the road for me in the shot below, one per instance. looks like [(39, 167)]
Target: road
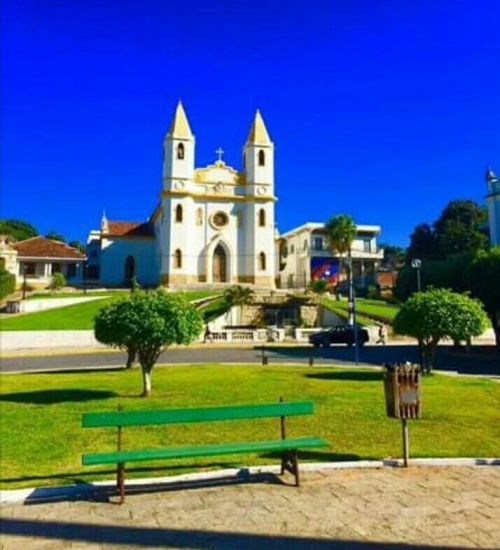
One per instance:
[(482, 359)]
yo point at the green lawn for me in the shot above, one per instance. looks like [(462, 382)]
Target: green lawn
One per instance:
[(340, 308), (42, 440), (367, 311), (73, 317)]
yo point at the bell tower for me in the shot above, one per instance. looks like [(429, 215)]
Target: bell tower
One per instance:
[(493, 205), (178, 153)]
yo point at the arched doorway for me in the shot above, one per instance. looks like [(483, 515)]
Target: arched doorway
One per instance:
[(129, 269), (219, 265)]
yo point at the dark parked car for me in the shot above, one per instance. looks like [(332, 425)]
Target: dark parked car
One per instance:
[(340, 334)]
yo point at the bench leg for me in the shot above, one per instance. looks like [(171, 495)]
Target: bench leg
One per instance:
[(290, 463), (120, 481)]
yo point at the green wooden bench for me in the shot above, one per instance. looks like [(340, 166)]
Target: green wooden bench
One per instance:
[(121, 419)]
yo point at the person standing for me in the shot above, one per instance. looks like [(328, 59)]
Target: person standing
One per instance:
[(382, 334)]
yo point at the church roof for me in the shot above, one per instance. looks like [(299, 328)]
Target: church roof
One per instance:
[(40, 247), (180, 126), (130, 229), (258, 132)]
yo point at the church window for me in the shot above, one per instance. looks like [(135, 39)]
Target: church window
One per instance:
[(199, 216), (305, 245), (180, 151), (239, 218), (244, 161), (177, 259), (262, 261), (262, 218), (292, 248), (178, 213), (262, 158), (129, 269)]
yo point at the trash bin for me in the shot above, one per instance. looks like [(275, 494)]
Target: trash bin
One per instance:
[(402, 382)]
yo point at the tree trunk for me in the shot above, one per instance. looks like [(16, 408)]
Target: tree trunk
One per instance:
[(131, 354), (146, 381)]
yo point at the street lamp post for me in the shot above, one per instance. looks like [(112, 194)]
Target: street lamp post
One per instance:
[(417, 264), (85, 277), (352, 305), (25, 272)]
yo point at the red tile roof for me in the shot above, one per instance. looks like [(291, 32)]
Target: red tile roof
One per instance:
[(130, 229), (40, 247)]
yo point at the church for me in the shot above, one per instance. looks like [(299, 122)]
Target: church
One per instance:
[(213, 224)]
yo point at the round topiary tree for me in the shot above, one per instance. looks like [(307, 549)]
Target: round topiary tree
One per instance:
[(439, 314), (147, 323)]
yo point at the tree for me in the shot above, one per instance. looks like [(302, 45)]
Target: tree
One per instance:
[(340, 232), (422, 243), (319, 286), (54, 236), (436, 314), (238, 295), (394, 255), (452, 272), (17, 229), (458, 228), (78, 245), (485, 284), (151, 321), (57, 281)]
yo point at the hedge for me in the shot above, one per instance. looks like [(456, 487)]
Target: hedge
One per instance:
[(7, 283)]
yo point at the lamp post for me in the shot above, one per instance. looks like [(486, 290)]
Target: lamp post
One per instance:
[(25, 272), (352, 305), (85, 277), (417, 264)]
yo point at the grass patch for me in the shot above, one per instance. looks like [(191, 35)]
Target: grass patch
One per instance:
[(340, 308), (367, 311), (42, 439), (76, 316)]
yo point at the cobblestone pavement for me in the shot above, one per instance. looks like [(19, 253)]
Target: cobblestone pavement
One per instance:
[(419, 507)]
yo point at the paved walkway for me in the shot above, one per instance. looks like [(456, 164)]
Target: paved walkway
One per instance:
[(352, 509)]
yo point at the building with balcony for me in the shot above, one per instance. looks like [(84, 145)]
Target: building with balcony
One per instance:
[(305, 255)]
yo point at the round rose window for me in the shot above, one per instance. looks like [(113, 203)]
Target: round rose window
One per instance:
[(220, 219)]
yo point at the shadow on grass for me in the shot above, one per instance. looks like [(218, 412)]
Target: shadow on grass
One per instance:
[(52, 397), (78, 370), (360, 376)]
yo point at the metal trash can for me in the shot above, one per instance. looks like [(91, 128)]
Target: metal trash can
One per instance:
[(402, 383)]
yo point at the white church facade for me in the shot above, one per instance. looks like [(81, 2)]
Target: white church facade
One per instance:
[(213, 224)]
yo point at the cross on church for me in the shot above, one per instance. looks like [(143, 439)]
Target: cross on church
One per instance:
[(220, 152)]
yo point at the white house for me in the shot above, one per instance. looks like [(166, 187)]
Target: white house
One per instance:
[(35, 260), (305, 256)]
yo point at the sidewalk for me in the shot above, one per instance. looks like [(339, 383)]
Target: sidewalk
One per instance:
[(360, 508)]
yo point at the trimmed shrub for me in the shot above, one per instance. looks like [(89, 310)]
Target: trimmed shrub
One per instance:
[(7, 283), (57, 282)]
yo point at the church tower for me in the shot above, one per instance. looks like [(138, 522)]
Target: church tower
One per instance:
[(178, 153), (258, 162), (177, 210), (493, 205)]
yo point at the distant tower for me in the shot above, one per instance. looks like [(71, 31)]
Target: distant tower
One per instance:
[(493, 204)]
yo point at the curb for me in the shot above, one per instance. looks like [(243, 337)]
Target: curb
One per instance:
[(66, 492)]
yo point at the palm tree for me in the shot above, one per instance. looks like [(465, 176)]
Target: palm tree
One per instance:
[(238, 295), (341, 232)]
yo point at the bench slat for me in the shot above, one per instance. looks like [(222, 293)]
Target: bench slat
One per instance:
[(202, 414), (205, 450)]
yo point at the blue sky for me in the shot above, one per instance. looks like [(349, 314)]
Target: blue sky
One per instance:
[(382, 109)]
